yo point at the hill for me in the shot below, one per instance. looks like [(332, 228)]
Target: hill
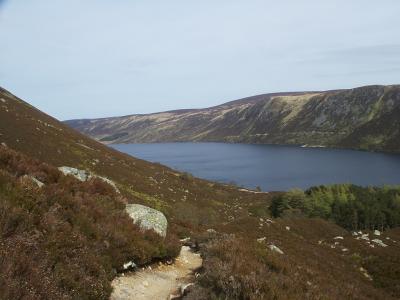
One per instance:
[(362, 118), (67, 239)]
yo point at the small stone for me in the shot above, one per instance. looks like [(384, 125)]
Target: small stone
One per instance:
[(261, 240), (365, 236), (379, 243), (183, 288), (377, 232), (275, 249), (34, 180), (129, 265)]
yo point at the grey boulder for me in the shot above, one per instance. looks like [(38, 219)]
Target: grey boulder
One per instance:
[(148, 218), (84, 175)]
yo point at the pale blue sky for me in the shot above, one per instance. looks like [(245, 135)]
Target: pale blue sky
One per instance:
[(96, 58)]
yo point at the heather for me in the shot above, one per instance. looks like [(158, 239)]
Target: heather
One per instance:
[(68, 239)]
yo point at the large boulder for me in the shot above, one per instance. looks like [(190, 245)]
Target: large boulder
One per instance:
[(148, 218)]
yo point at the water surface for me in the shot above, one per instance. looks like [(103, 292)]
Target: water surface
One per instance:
[(271, 167)]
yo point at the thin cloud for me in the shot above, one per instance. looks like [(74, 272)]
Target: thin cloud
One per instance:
[(123, 57)]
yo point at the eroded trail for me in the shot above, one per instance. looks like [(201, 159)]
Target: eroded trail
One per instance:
[(160, 282)]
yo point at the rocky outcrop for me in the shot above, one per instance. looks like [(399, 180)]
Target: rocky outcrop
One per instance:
[(363, 118), (81, 175), (148, 218), (84, 175)]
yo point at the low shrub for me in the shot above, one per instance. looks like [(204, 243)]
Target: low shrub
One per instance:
[(236, 268), (68, 239)]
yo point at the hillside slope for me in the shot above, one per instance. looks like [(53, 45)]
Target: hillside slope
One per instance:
[(355, 118), (233, 228)]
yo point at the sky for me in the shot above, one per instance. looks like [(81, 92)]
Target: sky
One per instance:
[(98, 58)]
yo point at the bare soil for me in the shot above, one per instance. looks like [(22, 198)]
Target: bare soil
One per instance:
[(158, 283)]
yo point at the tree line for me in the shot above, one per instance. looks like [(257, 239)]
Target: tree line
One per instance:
[(350, 206)]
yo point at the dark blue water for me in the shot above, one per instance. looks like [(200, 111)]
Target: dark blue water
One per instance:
[(272, 167)]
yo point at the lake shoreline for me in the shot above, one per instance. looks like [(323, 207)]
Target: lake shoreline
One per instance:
[(271, 167)]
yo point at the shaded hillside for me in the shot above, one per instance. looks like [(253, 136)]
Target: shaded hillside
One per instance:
[(233, 228), (355, 118), (26, 129)]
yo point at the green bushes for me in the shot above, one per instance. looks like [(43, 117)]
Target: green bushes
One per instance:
[(68, 239), (350, 206)]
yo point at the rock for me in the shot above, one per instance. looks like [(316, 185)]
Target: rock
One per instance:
[(81, 175), (365, 273), (338, 238), (145, 283), (185, 240), (365, 236), (148, 218), (261, 240), (84, 175), (287, 228), (110, 182), (183, 288), (275, 249), (377, 232), (212, 231), (34, 180), (379, 243), (129, 265)]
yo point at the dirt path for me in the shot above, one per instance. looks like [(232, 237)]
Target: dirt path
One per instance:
[(160, 282)]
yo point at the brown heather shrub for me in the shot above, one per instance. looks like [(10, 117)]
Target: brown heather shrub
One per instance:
[(68, 239), (236, 268)]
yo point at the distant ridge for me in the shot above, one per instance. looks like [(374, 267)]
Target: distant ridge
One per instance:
[(361, 118)]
